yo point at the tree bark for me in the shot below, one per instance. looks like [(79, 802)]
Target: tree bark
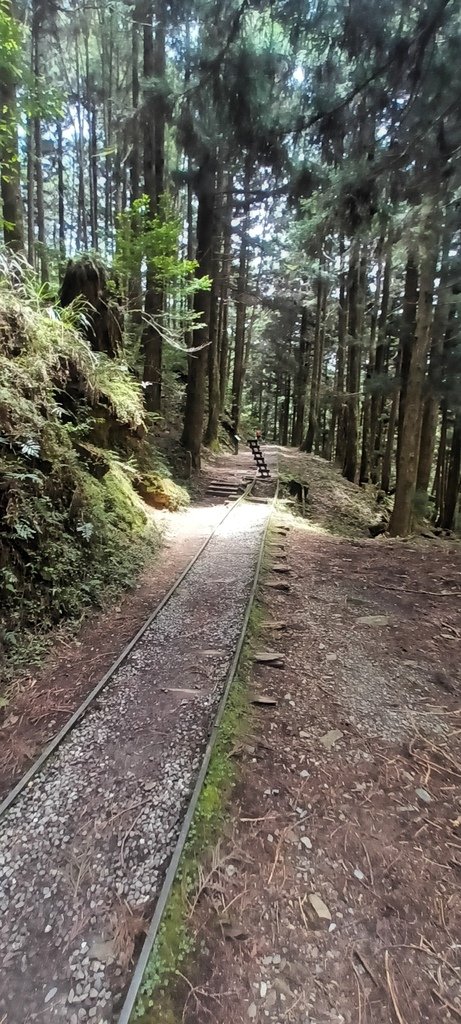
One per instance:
[(211, 433), (312, 427), (410, 436), (353, 367), (339, 408), (195, 395), (224, 293), (410, 301), (10, 184), (447, 520), (154, 168), (61, 207), (239, 347), (377, 401), (367, 438), (300, 385), (432, 400)]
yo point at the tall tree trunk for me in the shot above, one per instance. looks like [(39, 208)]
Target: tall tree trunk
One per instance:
[(239, 347), (386, 467), (135, 160), (224, 293), (30, 193), (61, 207), (211, 433), (40, 203), (407, 468), (432, 400), (447, 520), (410, 301), (353, 367), (367, 444), (10, 184), (154, 169), (195, 396), (311, 434), (339, 407), (286, 410), (440, 473), (300, 384), (377, 403)]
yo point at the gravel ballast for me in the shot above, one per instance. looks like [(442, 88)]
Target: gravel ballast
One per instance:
[(84, 849)]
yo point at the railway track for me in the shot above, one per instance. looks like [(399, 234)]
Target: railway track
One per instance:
[(91, 836)]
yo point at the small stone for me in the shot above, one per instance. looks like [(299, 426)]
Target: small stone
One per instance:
[(306, 842), (373, 620), (252, 1011), (304, 774), (319, 906), (263, 990), (359, 874), (424, 796), (50, 994), (330, 738)]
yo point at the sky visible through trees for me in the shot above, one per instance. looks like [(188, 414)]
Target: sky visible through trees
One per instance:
[(261, 202)]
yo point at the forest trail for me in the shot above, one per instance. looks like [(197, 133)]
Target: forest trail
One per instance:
[(43, 697), (84, 847), (335, 894)]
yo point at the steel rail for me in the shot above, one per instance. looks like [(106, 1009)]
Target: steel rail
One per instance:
[(56, 742), (164, 894)]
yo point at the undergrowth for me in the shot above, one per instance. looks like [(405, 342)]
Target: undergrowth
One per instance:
[(176, 943), (72, 527)]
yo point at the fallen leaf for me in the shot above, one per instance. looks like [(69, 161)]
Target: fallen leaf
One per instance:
[(234, 931), (263, 700), (101, 950), (330, 738), (319, 906), (269, 658), (373, 620)]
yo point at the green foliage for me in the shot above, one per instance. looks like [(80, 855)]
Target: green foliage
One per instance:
[(70, 526), (10, 41), (153, 244)]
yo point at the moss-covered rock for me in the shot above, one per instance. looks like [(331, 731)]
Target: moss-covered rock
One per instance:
[(161, 492), (71, 523)]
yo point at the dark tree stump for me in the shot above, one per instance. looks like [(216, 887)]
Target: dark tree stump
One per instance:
[(103, 322)]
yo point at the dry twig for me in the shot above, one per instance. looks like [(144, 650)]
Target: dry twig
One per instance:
[(392, 989)]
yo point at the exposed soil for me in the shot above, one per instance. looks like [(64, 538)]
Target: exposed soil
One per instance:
[(42, 700), (335, 894), (84, 848)]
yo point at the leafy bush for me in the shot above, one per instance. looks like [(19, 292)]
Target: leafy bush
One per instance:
[(71, 523)]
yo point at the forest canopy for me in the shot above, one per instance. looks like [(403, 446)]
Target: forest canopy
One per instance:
[(264, 201)]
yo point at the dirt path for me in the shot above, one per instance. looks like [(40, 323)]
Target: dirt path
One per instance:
[(83, 850), (337, 890), (42, 700)]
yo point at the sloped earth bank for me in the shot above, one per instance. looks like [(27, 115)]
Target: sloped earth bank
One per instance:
[(42, 699), (336, 894), (83, 850)]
